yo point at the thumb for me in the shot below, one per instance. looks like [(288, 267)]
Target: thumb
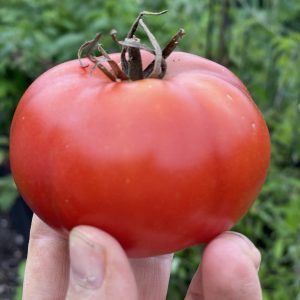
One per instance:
[(99, 268)]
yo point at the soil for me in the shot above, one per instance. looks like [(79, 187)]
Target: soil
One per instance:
[(11, 254), (14, 236)]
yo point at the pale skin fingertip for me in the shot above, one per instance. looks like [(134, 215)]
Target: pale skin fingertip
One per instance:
[(228, 269), (247, 246)]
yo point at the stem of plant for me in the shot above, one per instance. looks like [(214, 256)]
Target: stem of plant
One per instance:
[(131, 68)]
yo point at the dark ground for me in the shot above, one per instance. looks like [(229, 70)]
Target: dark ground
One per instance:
[(14, 231), (14, 235), (10, 256)]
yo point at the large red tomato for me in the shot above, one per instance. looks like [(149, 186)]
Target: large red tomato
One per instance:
[(160, 164)]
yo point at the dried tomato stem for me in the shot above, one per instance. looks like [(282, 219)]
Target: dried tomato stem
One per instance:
[(132, 68), (135, 66), (166, 52), (134, 63), (173, 43), (88, 47), (114, 66), (156, 71)]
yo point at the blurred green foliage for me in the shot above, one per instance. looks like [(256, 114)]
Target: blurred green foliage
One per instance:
[(21, 271), (259, 40), (8, 190)]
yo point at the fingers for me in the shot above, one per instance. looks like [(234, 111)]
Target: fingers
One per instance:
[(152, 276), (99, 268), (47, 266), (228, 271)]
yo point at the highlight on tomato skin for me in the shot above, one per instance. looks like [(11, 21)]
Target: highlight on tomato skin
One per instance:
[(161, 162)]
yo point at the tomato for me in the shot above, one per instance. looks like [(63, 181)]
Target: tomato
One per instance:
[(160, 164)]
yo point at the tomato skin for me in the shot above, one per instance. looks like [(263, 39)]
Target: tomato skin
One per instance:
[(159, 164)]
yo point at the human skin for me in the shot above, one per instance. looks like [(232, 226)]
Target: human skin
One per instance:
[(90, 264)]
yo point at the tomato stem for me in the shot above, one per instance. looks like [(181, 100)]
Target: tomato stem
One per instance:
[(135, 67), (131, 59)]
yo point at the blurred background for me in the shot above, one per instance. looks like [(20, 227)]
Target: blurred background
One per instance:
[(259, 40)]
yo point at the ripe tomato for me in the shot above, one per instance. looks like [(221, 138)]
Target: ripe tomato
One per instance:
[(158, 164)]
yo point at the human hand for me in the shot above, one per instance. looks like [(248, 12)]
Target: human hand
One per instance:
[(92, 265)]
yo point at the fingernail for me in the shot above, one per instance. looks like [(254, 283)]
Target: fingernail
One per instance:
[(249, 242), (251, 251), (87, 261)]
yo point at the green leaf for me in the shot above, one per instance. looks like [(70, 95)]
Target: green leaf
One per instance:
[(8, 192), (21, 272)]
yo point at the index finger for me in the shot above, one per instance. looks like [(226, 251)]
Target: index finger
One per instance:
[(47, 266)]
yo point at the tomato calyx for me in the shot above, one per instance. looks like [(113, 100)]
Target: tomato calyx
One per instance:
[(131, 60)]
